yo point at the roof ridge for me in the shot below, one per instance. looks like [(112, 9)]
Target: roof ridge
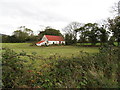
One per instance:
[(52, 35)]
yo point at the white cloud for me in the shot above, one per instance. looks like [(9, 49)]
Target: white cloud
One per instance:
[(55, 13)]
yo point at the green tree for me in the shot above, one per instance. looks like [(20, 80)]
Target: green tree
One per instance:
[(68, 39), (111, 41), (20, 35), (103, 35), (49, 31), (89, 33), (82, 36), (13, 39), (114, 27), (24, 34), (4, 38)]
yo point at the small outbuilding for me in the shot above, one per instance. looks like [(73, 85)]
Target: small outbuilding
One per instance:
[(50, 39)]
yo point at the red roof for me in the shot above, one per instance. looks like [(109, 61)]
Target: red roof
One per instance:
[(39, 42), (54, 38)]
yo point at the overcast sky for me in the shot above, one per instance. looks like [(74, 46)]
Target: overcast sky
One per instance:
[(37, 14)]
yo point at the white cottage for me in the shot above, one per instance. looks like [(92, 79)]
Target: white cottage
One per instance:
[(50, 39)]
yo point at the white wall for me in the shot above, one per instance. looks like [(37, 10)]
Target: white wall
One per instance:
[(63, 42), (55, 42), (50, 43)]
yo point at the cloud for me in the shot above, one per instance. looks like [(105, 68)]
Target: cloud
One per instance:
[(57, 13), (29, 10)]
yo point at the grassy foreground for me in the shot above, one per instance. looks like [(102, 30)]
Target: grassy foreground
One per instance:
[(96, 70), (66, 51), (60, 66)]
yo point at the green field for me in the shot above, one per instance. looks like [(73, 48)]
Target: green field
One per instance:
[(50, 50)]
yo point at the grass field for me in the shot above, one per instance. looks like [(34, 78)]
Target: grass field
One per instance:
[(51, 50)]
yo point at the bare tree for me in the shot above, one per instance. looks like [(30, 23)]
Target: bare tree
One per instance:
[(116, 9), (71, 28), (71, 32)]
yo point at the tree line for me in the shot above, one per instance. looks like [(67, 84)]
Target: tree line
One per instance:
[(94, 33), (24, 34), (88, 33)]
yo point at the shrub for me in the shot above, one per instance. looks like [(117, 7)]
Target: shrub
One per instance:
[(14, 71), (12, 68), (99, 70)]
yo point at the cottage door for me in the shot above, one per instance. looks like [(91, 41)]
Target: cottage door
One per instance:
[(59, 42)]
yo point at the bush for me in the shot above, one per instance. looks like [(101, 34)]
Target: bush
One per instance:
[(11, 68), (14, 71), (100, 70)]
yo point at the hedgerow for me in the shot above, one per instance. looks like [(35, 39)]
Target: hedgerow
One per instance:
[(99, 70)]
